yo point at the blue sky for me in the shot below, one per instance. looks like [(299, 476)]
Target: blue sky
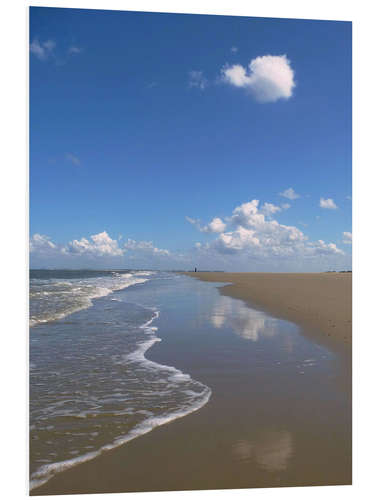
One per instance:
[(169, 141)]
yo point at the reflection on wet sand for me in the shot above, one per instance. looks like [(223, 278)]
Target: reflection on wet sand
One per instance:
[(248, 323), (271, 450)]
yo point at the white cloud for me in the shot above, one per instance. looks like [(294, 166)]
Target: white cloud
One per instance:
[(99, 249), (41, 243), (347, 238), (328, 203), (194, 222), (235, 75), (254, 233), (270, 209), (74, 50), (321, 248), (234, 50), (237, 240), (285, 206), (196, 79), (290, 194), (268, 78), (42, 50), (215, 226), (145, 246), (101, 244), (73, 159)]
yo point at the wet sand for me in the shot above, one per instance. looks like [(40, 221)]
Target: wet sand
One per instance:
[(270, 422), (320, 302)]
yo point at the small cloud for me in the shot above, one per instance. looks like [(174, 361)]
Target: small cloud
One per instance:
[(42, 50), (269, 209), (47, 50), (234, 50), (49, 45), (328, 203), (215, 226), (268, 78), (290, 194), (41, 243), (196, 79), (73, 159), (347, 238), (74, 50), (285, 206), (145, 247), (322, 248)]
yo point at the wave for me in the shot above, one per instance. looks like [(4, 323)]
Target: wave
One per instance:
[(193, 401), (51, 300)]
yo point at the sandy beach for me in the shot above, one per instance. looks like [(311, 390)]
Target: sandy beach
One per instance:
[(259, 428), (320, 302)]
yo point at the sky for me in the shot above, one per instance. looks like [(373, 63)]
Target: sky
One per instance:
[(165, 141)]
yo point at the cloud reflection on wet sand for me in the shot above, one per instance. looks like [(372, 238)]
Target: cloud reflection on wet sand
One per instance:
[(246, 322), (271, 450)]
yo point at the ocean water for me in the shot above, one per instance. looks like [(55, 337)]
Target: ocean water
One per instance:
[(92, 387)]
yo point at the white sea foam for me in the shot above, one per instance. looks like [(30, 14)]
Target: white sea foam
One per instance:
[(67, 297), (46, 472), (195, 401)]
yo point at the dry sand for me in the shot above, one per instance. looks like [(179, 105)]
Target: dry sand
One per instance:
[(320, 302)]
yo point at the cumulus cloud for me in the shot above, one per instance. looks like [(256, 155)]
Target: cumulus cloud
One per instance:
[(98, 248), (99, 245), (197, 79), (290, 194), (268, 78), (215, 226), (328, 203), (270, 209), (321, 248), (234, 241), (42, 50), (253, 232), (145, 246), (41, 243), (347, 238)]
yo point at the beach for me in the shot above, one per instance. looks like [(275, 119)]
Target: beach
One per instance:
[(279, 411), (320, 302)]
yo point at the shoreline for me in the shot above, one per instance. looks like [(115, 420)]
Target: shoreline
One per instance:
[(226, 445), (321, 303)]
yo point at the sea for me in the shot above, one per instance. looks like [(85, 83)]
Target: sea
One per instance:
[(92, 386)]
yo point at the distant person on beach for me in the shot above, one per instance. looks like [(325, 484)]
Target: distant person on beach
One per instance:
[(195, 269)]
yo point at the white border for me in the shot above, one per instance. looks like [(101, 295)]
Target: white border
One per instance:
[(14, 226)]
